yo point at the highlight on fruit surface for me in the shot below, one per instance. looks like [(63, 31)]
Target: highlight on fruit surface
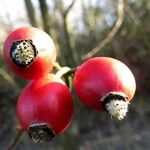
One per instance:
[(45, 108), (104, 83), (29, 52)]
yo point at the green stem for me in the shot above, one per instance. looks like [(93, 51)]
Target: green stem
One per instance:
[(62, 72), (71, 72), (65, 72), (57, 66)]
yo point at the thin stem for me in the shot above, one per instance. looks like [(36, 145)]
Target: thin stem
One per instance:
[(57, 66), (65, 72), (71, 72), (16, 140), (111, 34), (62, 71), (69, 77)]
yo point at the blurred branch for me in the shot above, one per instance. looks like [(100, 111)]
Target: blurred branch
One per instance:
[(60, 6), (45, 16), (16, 139), (65, 43), (69, 7), (31, 12), (111, 34), (131, 14), (9, 79)]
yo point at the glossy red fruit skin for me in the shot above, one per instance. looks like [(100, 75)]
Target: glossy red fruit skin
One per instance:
[(46, 56), (47, 100), (97, 77)]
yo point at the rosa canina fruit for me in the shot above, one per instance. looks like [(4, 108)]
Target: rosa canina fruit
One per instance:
[(45, 108), (104, 83), (29, 52)]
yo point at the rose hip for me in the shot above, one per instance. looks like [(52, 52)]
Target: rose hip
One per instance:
[(105, 83), (45, 108), (29, 52)]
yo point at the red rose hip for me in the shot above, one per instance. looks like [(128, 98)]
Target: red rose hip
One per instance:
[(45, 108), (104, 83), (29, 52)]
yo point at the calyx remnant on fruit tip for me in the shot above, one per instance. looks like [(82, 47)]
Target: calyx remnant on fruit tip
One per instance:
[(23, 52), (116, 104), (41, 133)]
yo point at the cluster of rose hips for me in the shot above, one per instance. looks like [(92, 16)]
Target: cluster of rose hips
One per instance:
[(45, 106)]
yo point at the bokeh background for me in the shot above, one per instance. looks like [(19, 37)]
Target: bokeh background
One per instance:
[(115, 28)]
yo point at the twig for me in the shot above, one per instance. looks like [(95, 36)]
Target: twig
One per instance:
[(132, 15), (111, 34), (15, 140), (64, 11), (69, 7)]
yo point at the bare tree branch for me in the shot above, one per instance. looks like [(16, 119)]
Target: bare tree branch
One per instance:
[(64, 11), (69, 7), (132, 15), (45, 16), (31, 12), (66, 45), (111, 34), (59, 5)]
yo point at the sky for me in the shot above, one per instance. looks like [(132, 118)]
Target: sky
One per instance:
[(13, 11), (10, 10)]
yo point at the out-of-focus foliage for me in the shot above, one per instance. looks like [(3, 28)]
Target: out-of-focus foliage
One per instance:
[(76, 27)]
